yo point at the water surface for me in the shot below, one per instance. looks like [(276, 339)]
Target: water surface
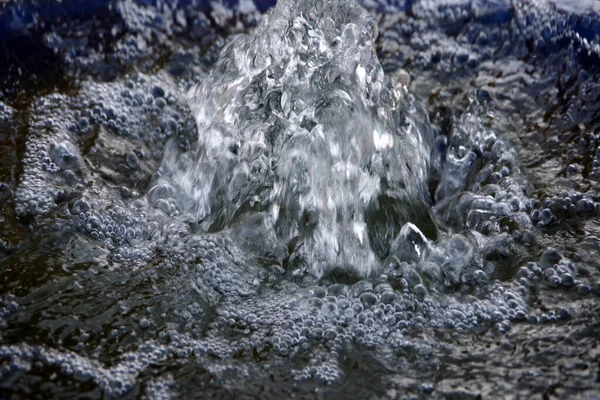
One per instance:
[(324, 201)]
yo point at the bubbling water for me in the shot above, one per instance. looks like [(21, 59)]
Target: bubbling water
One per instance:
[(170, 273), (301, 141)]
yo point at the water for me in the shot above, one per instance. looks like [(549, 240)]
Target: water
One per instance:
[(397, 202), (300, 139)]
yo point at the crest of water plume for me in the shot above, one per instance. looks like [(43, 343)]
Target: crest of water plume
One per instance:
[(299, 130)]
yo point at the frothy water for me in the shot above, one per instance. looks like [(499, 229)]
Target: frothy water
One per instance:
[(300, 140), (280, 216)]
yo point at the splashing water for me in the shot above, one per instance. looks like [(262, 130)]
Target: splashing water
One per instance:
[(273, 216), (302, 137)]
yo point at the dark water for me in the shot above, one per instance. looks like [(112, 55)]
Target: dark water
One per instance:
[(305, 220)]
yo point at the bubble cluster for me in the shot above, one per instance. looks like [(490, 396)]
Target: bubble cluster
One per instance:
[(564, 206), (113, 382), (6, 114), (6, 126), (120, 138), (140, 34), (480, 185)]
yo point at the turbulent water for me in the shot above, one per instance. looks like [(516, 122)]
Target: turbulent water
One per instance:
[(326, 200), (300, 141)]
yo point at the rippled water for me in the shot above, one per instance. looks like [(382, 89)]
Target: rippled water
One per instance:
[(323, 201)]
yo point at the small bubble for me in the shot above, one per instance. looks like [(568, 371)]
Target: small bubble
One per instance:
[(554, 281), (420, 291), (567, 280), (583, 290), (144, 323)]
